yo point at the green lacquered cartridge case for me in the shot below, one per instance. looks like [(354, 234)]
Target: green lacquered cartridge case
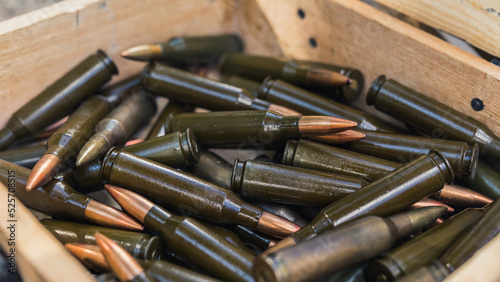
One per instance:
[(348, 92), (26, 156), (404, 148), (421, 250), (184, 192), (486, 181), (67, 141), (313, 155), (164, 271), (175, 149), (346, 246), (189, 88), (139, 245), (433, 117), (239, 128), (393, 193), (213, 168), (241, 82), (308, 103), (291, 185), (186, 50), (486, 227), (172, 108), (59, 99), (55, 198), (200, 246), (130, 115)]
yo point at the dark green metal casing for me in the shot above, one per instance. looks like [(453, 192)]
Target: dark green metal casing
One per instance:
[(421, 250), (164, 271), (184, 192), (175, 149), (67, 141), (199, 245), (486, 181), (189, 88), (172, 108), (291, 185), (433, 117), (55, 198), (253, 238), (213, 168), (238, 128), (59, 99), (187, 50), (404, 148), (313, 155), (393, 193), (25, 156), (308, 103), (241, 82), (139, 245)]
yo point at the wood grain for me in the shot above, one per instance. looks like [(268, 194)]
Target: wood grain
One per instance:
[(355, 34), (39, 256), (476, 21), (38, 47)]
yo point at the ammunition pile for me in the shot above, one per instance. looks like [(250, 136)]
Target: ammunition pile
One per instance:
[(339, 194)]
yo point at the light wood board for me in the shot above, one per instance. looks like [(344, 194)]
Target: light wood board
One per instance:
[(355, 34), (40, 46), (39, 255), (476, 21)]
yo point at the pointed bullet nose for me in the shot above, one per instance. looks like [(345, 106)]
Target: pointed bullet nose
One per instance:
[(108, 216), (460, 196), (276, 226), (319, 125), (143, 52), (43, 171), (133, 203), (409, 222), (95, 148), (338, 138), (90, 255)]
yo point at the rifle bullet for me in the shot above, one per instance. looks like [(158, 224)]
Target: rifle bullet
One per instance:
[(460, 196), (123, 265), (339, 137)]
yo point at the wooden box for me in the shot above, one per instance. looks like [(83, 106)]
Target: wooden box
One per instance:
[(38, 47)]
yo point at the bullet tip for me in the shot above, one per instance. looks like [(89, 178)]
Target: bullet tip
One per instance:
[(94, 149), (90, 255), (108, 216), (143, 52), (123, 265), (319, 125), (131, 202), (43, 171), (339, 137), (276, 226)]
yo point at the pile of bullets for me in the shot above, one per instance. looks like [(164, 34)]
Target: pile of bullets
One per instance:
[(339, 196)]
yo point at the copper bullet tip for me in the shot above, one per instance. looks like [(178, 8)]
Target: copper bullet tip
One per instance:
[(460, 196), (276, 226), (90, 255), (123, 265), (339, 137), (327, 78), (94, 149), (319, 125), (143, 52), (133, 142), (133, 203), (427, 202), (105, 215), (43, 171)]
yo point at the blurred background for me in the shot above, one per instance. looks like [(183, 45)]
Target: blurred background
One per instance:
[(12, 8)]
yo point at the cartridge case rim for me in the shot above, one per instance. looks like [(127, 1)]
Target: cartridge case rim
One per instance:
[(289, 152), (474, 159), (447, 164), (190, 146), (371, 96), (107, 61), (237, 176)]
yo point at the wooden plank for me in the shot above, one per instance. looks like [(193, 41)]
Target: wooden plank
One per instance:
[(355, 34), (482, 267), (40, 256), (476, 21), (40, 46)]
